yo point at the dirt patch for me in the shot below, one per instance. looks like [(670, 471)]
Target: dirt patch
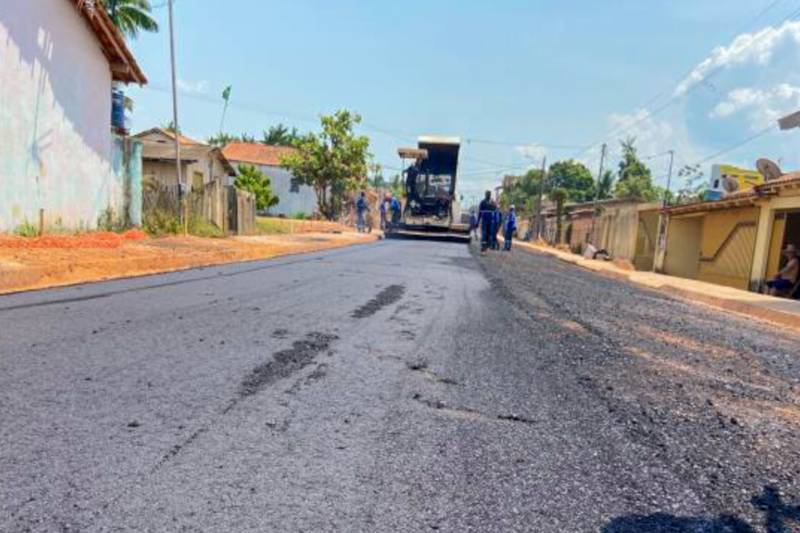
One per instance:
[(684, 342), (64, 260), (286, 362), (387, 296)]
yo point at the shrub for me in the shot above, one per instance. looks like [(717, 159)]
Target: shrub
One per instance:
[(26, 229), (158, 222)]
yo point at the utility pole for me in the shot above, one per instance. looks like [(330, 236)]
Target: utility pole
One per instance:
[(538, 220), (597, 189), (661, 236), (182, 200), (669, 177)]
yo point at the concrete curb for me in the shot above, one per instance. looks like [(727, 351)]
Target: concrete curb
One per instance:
[(758, 310)]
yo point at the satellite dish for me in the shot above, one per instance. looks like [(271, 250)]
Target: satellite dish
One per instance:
[(729, 185), (768, 169)]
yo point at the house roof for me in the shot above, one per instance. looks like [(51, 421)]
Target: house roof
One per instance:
[(741, 198), (189, 153), (120, 59), (256, 153), (185, 141)]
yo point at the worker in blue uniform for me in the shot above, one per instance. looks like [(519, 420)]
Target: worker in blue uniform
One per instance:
[(486, 211), (361, 210), (395, 207), (497, 223), (509, 228), (473, 224)]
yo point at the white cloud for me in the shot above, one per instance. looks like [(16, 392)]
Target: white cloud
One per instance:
[(762, 106), (654, 137), (193, 87), (747, 49)]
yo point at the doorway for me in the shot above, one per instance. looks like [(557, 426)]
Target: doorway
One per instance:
[(785, 231)]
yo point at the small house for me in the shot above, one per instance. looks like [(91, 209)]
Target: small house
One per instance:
[(60, 162), (293, 197), (201, 163)]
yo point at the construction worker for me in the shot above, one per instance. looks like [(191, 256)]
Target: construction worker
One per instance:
[(486, 211), (382, 208), (509, 228), (361, 209), (473, 224), (396, 209), (497, 223)]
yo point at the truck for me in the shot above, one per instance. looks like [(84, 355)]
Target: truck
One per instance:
[(431, 207)]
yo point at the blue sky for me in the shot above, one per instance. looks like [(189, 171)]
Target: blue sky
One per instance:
[(534, 76)]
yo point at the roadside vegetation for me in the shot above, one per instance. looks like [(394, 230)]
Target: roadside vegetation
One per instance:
[(569, 181)]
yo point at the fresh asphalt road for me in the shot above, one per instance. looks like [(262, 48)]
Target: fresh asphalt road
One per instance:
[(397, 386)]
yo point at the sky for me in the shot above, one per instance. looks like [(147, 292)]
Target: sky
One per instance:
[(515, 79)]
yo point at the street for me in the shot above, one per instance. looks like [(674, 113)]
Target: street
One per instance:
[(394, 386)]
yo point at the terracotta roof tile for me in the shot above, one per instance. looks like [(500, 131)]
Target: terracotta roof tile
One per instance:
[(256, 153)]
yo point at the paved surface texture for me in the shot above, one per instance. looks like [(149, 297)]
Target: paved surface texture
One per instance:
[(398, 386)]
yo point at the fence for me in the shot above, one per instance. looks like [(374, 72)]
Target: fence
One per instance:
[(228, 209)]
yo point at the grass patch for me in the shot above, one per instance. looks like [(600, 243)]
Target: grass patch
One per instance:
[(26, 229), (275, 226), (203, 228)]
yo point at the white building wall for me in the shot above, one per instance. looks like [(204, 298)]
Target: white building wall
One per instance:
[(55, 106), (303, 200)]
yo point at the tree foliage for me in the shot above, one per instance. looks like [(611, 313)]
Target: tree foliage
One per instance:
[(131, 16), (606, 186), (634, 179), (332, 161), (221, 139), (523, 192), (280, 135), (253, 180), (694, 184), (574, 178)]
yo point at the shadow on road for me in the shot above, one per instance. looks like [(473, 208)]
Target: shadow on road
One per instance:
[(778, 518)]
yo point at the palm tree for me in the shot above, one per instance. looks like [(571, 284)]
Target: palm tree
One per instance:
[(130, 16)]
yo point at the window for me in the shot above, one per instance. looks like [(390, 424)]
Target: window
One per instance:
[(294, 185)]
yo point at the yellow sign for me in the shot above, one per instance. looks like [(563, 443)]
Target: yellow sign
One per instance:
[(729, 179)]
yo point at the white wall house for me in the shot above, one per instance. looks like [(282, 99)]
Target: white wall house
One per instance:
[(293, 197), (58, 59)]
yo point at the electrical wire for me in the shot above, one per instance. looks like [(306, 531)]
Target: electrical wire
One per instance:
[(676, 97)]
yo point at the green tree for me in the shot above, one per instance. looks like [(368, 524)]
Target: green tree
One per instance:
[(634, 181), (630, 165), (377, 179), (131, 16), (170, 126), (523, 191), (280, 135), (253, 180), (606, 186), (694, 184), (221, 139), (574, 178), (333, 161)]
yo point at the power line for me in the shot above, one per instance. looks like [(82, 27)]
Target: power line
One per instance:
[(470, 140), (737, 145), (675, 97)]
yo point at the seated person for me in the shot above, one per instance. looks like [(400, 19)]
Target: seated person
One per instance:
[(786, 279)]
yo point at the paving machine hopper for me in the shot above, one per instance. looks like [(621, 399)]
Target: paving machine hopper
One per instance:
[(431, 208)]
